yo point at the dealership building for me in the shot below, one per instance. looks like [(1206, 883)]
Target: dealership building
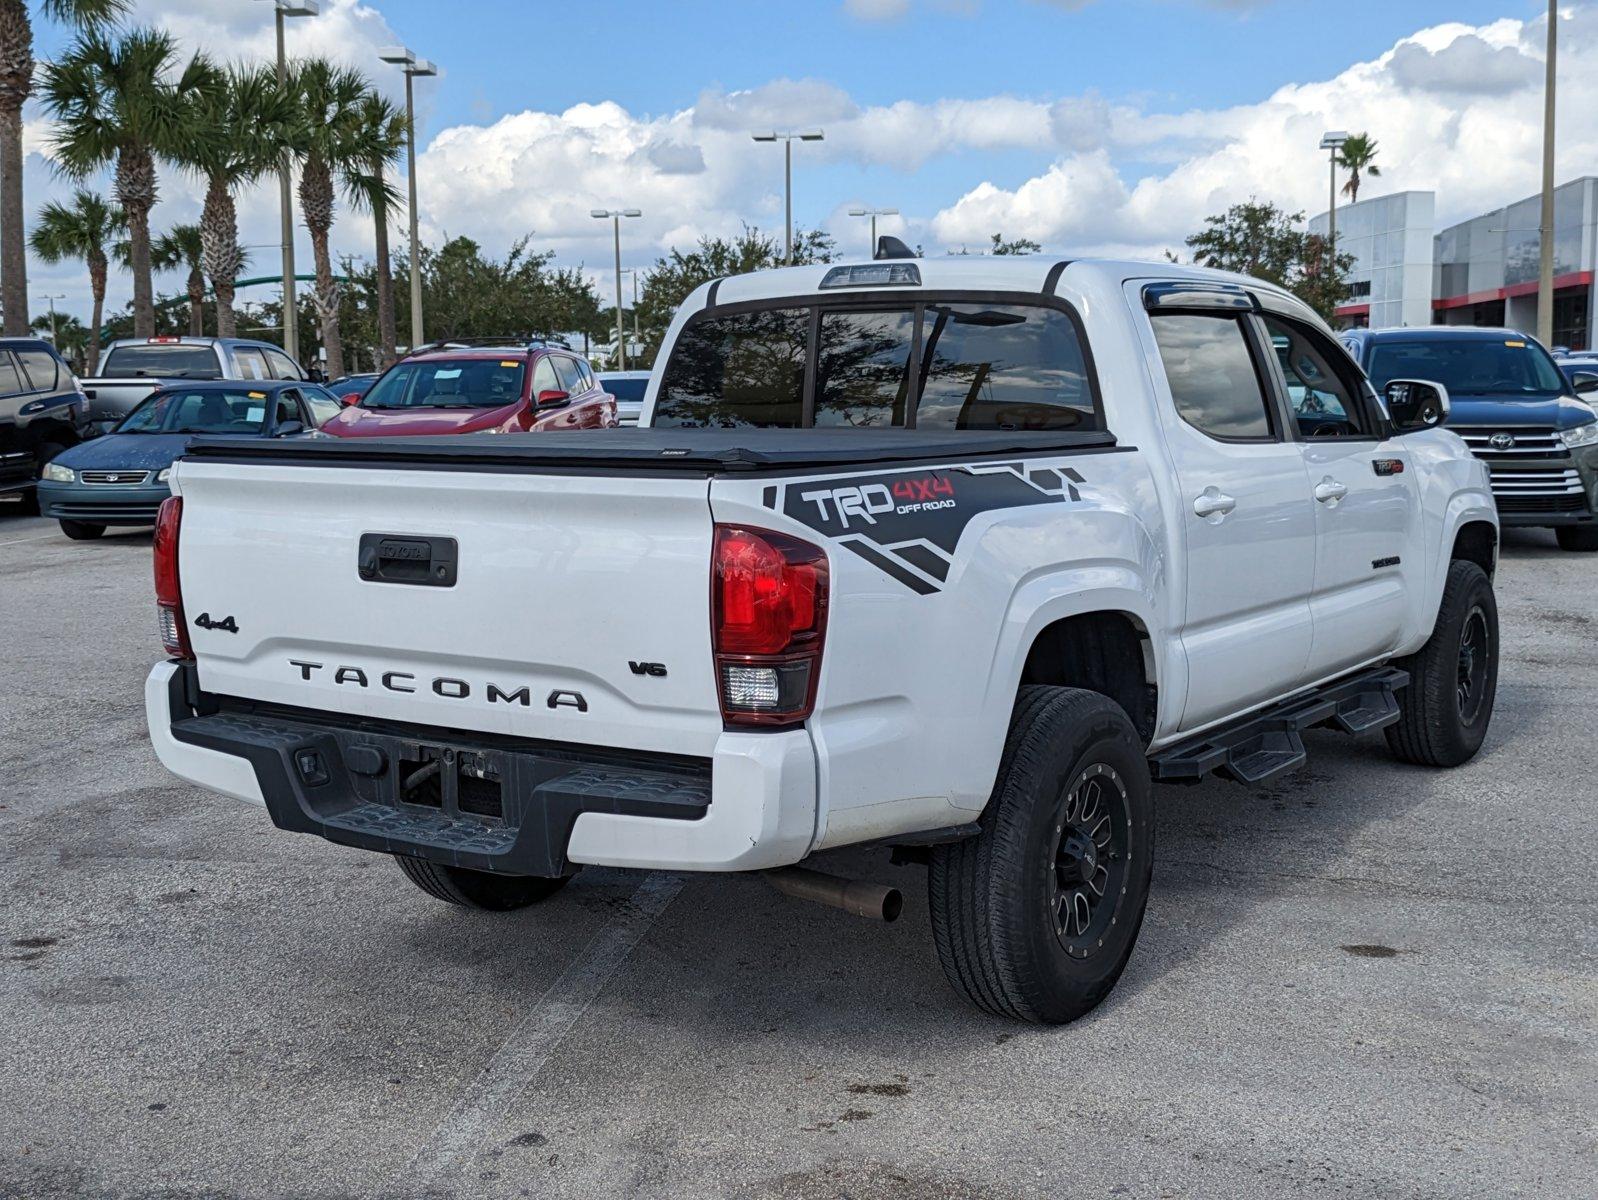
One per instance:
[(1479, 272)]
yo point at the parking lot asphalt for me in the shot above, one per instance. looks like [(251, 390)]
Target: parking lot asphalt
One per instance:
[(1366, 980)]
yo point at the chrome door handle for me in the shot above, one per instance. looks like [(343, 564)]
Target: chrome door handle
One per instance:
[(1329, 491), (1212, 502)]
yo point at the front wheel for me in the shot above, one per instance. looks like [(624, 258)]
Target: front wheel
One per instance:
[(477, 889), (1036, 917), (1581, 538), (82, 531), (1453, 678)]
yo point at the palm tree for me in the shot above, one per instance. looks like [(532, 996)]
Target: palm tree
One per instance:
[(16, 84), (123, 103), (178, 248), (383, 131), (331, 145), (239, 120), (81, 230), (1357, 154)]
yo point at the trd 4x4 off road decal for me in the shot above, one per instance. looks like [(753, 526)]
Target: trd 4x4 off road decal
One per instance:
[(908, 524)]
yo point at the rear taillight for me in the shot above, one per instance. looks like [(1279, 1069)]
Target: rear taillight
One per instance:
[(168, 591), (769, 619)]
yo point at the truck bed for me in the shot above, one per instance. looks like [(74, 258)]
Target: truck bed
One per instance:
[(675, 451)]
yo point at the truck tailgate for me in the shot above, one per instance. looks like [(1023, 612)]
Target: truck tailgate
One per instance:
[(579, 610)]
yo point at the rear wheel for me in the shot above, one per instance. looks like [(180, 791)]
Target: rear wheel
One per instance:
[(477, 889), (1035, 918), (82, 531), (1453, 678), (1583, 538)]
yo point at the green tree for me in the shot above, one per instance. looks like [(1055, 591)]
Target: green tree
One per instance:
[(183, 248), (81, 230), (384, 130), (123, 103), (673, 277), (238, 124), (71, 339), (16, 85), (1357, 154), (1262, 241), (1014, 246), (333, 146)]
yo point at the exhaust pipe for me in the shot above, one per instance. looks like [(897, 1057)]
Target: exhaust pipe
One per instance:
[(871, 900)]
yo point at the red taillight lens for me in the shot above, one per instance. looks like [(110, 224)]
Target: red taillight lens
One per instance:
[(168, 591), (769, 611)]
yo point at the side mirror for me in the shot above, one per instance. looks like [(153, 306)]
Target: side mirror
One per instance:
[(289, 428), (554, 398), (349, 398), (1585, 382), (1415, 404)]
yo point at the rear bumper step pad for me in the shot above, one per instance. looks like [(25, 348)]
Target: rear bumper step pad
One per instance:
[(490, 805), (1268, 743)]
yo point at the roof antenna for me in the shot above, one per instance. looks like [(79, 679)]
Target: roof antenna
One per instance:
[(889, 246)]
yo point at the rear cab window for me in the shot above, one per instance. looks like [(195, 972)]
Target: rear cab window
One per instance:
[(931, 361), (170, 361)]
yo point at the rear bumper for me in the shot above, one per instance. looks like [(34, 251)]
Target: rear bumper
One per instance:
[(1545, 520), (492, 804), (98, 504)]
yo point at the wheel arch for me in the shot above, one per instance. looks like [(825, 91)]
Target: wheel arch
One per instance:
[(1477, 541)]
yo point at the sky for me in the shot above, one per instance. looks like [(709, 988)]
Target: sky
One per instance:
[(1090, 126)]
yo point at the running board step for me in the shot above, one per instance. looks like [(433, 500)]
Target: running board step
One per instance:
[(1267, 743)]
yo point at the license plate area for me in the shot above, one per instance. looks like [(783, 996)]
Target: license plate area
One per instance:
[(446, 779)]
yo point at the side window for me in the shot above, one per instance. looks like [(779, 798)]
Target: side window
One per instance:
[(324, 406), (288, 408), (282, 366), (1321, 389), (571, 379), (40, 366), (1002, 366), (544, 377), (1212, 375), (10, 381), (589, 382), (250, 362)]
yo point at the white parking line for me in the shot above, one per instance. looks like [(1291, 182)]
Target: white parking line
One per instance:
[(535, 1037), (19, 541)]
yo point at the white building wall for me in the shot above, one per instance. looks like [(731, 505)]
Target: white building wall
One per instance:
[(1390, 238)]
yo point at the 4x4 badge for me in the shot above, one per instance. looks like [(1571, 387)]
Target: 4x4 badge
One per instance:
[(226, 624)]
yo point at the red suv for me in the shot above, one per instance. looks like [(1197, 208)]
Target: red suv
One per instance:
[(479, 389)]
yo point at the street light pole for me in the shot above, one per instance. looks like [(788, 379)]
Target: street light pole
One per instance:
[(788, 138), (285, 182), (1333, 141), (51, 301), (413, 68), (614, 216), (1545, 226), (873, 213)]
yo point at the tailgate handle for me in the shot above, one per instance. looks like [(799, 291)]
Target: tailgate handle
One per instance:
[(408, 558)]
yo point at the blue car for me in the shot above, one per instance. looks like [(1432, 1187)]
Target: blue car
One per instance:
[(1531, 423), (121, 478)]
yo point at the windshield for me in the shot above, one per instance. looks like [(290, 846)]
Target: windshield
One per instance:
[(170, 360), (1469, 366), (628, 391), (450, 383), (210, 411)]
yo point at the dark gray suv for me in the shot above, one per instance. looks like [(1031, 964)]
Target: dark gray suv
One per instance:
[(42, 412)]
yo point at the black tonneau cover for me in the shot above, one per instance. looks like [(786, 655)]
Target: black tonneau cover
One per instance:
[(705, 451)]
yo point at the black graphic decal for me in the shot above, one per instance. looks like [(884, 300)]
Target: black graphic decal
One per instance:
[(908, 524)]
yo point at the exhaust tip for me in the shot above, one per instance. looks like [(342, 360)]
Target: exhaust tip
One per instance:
[(892, 904)]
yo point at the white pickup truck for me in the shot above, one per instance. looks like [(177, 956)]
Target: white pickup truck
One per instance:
[(953, 556)]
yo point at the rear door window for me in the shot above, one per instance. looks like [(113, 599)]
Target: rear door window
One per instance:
[(571, 379), (10, 381), (170, 361), (1212, 376), (282, 366), (251, 363), (1002, 366), (741, 370), (863, 368), (41, 368)]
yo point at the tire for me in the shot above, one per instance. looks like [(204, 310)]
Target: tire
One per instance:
[(1453, 678), (82, 531), (477, 889), (1005, 918), (1581, 538), (41, 455)]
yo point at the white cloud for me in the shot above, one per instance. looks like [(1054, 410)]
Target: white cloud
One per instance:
[(876, 10), (1468, 64)]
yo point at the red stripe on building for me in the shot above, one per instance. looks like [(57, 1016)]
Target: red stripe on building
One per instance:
[(1577, 279)]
